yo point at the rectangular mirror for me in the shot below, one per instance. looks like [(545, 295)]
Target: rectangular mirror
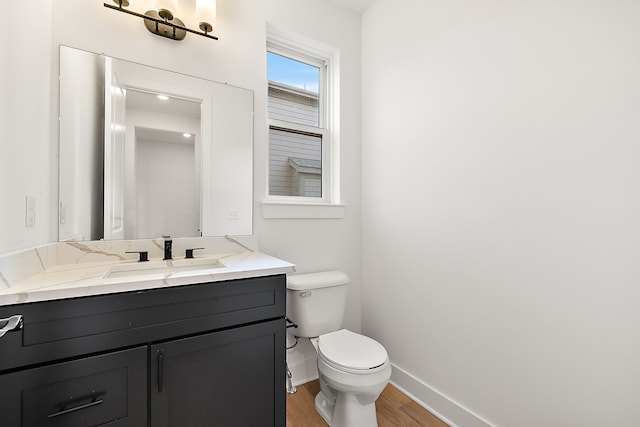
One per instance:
[(146, 152)]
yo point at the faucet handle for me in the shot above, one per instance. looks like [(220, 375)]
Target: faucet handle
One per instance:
[(189, 252), (144, 255)]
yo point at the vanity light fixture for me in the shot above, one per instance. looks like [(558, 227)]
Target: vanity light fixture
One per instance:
[(163, 21)]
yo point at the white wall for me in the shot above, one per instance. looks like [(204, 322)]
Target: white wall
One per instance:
[(238, 58), (26, 151), (321, 244), (501, 206)]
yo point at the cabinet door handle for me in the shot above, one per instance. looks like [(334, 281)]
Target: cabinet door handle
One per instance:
[(94, 402), (160, 370), (13, 323)]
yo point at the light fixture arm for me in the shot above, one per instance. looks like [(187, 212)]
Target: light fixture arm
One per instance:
[(155, 21)]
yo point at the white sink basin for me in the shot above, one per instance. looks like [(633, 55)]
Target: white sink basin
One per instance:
[(161, 267)]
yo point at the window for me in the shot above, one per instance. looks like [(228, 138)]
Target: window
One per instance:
[(301, 141)]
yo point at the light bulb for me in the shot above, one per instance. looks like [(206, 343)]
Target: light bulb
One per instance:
[(206, 14)]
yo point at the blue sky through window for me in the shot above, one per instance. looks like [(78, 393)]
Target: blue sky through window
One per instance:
[(293, 73)]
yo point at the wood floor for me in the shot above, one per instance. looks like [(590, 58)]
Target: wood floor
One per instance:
[(393, 408)]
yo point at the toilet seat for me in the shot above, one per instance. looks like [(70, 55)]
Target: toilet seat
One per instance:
[(351, 352)]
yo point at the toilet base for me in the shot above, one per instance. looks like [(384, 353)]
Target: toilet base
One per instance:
[(346, 411), (324, 407)]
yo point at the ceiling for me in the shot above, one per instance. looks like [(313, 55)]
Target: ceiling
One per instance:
[(164, 136), (173, 106), (358, 6)]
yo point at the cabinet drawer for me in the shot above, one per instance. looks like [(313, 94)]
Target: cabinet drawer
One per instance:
[(62, 329), (95, 391)]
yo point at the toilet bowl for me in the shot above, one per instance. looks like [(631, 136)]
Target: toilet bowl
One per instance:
[(353, 369)]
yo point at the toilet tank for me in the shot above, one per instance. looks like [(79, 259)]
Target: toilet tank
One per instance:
[(316, 302)]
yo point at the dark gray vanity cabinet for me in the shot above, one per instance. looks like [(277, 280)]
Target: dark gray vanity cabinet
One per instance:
[(209, 354)]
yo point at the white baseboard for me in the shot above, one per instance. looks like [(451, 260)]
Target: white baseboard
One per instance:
[(435, 402)]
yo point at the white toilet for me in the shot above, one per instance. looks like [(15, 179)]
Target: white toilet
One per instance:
[(353, 369)]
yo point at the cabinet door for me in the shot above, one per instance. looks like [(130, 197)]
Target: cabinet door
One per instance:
[(233, 378), (99, 390)]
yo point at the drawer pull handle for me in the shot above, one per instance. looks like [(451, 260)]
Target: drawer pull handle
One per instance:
[(13, 323), (94, 402)]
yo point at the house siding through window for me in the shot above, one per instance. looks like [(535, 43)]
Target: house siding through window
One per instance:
[(295, 159)]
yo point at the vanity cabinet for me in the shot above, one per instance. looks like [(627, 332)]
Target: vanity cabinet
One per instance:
[(197, 355)]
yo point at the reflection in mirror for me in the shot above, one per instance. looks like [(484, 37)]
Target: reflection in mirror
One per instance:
[(162, 202), (165, 139), (139, 157)]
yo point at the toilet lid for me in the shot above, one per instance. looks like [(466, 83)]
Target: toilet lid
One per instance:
[(350, 350)]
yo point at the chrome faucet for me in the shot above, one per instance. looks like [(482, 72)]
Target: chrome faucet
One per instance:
[(167, 247)]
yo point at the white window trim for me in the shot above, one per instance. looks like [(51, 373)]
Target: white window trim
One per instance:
[(327, 58), (285, 210)]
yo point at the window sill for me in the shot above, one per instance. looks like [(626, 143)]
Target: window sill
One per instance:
[(290, 210)]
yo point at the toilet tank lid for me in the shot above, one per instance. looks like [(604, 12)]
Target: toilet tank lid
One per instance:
[(323, 279)]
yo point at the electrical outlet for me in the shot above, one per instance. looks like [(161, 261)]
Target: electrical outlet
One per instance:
[(30, 214), (63, 212)]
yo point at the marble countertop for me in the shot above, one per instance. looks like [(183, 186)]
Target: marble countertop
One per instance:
[(105, 277)]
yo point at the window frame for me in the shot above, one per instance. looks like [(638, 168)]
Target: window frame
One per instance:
[(326, 59)]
